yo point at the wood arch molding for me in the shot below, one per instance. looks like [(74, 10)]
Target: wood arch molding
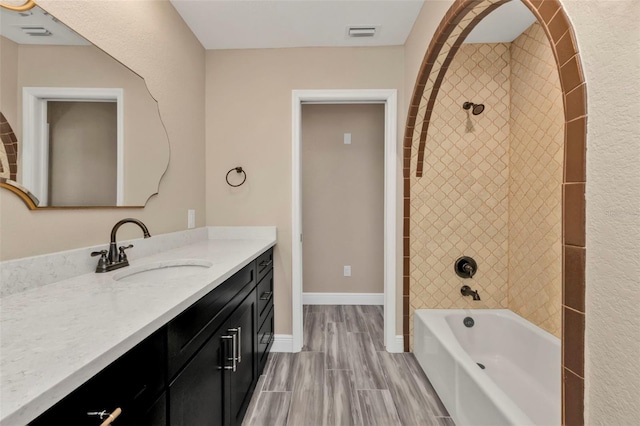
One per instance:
[(457, 23)]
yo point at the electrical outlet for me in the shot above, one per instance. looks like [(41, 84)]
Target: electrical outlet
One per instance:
[(191, 219), (347, 138), (347, 270)]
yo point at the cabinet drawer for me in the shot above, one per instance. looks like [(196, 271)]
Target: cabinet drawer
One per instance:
[(133, 383), (264, 263), (265, 340), (191, 329), (265, 296)]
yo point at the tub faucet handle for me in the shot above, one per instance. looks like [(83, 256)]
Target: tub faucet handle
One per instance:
[(465, 267), (469, 269)]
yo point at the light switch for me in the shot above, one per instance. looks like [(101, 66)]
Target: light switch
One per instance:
[(347, 138)]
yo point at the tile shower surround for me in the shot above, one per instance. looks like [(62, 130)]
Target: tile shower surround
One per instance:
[(459, 20)]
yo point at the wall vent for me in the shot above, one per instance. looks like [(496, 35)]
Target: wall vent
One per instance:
[(36, 31), (362, 31)]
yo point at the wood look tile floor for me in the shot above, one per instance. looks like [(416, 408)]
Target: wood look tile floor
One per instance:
[(343, 376)]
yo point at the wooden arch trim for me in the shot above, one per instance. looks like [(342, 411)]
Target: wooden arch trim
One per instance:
[(460, 19)]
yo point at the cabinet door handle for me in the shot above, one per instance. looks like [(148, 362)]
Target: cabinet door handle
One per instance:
[(266, 295), (234, 352), (238, 353), (226, 358)]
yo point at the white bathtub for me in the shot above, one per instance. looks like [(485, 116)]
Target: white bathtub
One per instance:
[(521, 384)]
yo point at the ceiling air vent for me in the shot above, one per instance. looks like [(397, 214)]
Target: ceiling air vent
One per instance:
[(362, 31), (36, 31)]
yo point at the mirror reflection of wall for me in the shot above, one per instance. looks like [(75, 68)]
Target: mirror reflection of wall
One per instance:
[(49, 56), (82, 153)]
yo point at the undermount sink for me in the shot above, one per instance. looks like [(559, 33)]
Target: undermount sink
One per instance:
[(160, 271)]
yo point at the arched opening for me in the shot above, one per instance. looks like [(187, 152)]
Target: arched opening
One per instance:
[(460, 19)]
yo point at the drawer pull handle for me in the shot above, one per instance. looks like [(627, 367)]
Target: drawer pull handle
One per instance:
[(269, 337), (266, 295), (265, 263), (109, 417)]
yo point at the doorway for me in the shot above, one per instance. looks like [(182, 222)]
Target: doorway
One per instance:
[(342, 217), (389, 99)]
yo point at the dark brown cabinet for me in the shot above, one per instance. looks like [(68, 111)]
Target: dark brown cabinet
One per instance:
[(199, 369)]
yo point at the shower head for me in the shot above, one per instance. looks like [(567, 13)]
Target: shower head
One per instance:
[(476, 109)]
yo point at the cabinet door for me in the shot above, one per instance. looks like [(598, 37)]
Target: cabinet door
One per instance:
[(240, 383), (196, 395)]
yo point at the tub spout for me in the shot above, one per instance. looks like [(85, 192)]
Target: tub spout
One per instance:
[(466, 291)]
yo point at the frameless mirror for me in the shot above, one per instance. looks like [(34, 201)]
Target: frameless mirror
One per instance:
[(78, 128)]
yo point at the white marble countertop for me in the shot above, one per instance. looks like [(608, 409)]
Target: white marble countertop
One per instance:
[(54, 338)]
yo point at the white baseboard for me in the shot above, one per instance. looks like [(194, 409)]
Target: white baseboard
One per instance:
[(282, 343), (397, 345), (343, 298)]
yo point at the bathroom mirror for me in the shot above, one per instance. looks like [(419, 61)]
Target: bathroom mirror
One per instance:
[(79, 129)]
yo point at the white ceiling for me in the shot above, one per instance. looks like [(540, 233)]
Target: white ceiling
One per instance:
[(243, 24), (503, 25), (251, 24)]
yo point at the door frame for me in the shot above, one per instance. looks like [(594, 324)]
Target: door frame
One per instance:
[(388, 97), (35, 133)]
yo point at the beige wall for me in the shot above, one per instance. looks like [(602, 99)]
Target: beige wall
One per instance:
[(536, 150), (172, 63), (83, 154), (460, 205), (609, 42), (343, 198), (249, 124)]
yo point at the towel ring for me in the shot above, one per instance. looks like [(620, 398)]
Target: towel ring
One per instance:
[(238, 170)]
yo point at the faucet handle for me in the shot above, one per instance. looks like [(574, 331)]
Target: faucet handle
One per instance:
[(103, 262), (123, 256)]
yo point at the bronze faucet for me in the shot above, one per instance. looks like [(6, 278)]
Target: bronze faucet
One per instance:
[(466, 291), (116, 258)]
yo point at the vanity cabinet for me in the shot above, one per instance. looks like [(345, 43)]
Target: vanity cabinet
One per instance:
[(199, 369)]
